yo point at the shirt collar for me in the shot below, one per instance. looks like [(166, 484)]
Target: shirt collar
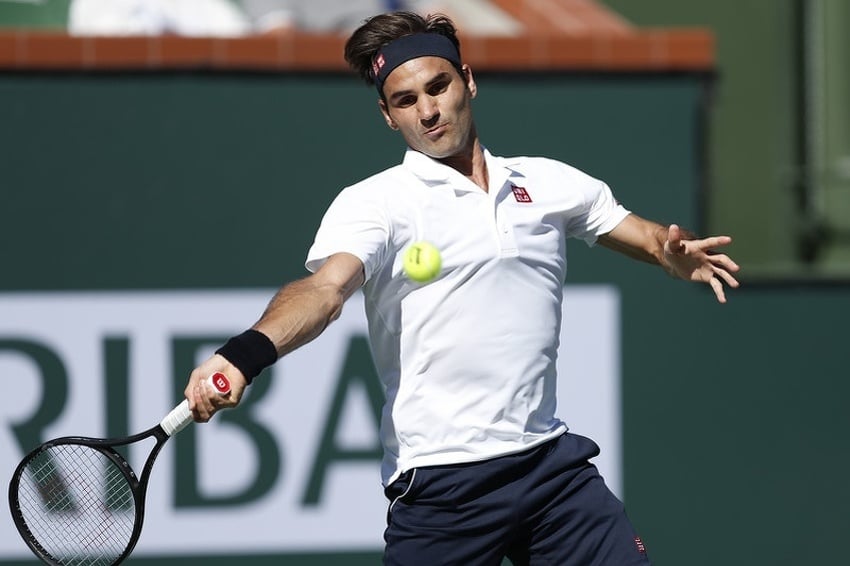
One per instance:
[(433, 173)]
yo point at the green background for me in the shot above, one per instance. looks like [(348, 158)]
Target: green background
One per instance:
[(780, 132), (780, 135)]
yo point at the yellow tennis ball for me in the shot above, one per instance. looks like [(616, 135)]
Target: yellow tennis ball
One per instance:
[(422, 261)]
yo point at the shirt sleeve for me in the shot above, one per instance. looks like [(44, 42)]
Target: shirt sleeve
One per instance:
[(600, 214), (356, 222)]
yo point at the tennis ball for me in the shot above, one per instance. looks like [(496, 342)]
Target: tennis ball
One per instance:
[(422, 261)]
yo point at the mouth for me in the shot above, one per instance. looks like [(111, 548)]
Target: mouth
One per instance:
[(436, 131)]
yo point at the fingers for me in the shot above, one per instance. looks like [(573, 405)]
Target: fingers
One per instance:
[(727, 277), (723, 267), (717, 286), (695, 260), (204, 399), (712, 242), (198, 395), (724, 261), (189, 391), (674, 239), (719, 277), (205, 403)]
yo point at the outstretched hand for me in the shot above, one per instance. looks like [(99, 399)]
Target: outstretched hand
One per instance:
[(694, 260)]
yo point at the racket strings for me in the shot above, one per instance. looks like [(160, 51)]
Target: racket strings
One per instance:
[(78, 505)]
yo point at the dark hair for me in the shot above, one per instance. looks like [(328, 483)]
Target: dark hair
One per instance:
[(376, 32)]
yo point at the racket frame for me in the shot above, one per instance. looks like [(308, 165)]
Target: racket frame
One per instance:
[(174, 422), (106, 446)]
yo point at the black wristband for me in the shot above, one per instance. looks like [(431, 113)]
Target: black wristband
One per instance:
[(251, 352)]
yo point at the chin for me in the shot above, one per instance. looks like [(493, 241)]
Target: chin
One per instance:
[(438, 153)]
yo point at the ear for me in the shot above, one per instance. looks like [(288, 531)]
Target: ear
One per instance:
[(385, 111), (470, 80)]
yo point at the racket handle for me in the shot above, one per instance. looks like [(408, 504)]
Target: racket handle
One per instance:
[(180, 416)]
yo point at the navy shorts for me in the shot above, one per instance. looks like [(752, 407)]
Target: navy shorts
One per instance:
[(544, 506)]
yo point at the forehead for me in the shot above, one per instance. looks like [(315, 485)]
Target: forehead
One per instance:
[(416, 72)]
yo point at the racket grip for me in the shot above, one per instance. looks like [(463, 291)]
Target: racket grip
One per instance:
[(180, 416)]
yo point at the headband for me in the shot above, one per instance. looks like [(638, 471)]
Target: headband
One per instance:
[(410, 47)]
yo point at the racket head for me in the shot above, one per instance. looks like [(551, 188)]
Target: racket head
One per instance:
[(77, 501)]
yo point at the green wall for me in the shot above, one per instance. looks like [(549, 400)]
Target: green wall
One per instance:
[(40, 14), (734, 416), (764, 148), (143, 181)]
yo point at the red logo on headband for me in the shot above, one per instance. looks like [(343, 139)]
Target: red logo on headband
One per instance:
[(378, 64)]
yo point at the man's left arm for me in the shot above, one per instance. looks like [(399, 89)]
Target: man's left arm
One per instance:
[(679, 252)]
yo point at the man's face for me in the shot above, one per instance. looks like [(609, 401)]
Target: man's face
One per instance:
[(429, 102)]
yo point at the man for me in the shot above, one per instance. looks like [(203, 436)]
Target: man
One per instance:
[(477, 467)]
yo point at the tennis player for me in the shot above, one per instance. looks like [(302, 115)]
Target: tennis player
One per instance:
[(476, 466)]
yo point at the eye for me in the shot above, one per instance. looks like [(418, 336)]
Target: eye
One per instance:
[(405, 101), (439, 87)]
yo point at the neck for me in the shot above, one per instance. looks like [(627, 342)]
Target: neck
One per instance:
[(471, 164)]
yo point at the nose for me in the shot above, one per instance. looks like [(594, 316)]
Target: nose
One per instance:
[(428, 110)]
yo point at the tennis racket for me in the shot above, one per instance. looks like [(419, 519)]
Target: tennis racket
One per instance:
[(77, 502)]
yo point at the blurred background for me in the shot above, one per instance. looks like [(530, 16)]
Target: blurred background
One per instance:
[(160, 150)]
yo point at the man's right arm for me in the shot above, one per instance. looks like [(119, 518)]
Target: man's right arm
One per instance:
[(297, 314), (301, 310)]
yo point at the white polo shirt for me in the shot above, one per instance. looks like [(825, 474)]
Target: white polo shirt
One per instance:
[(468, 359)]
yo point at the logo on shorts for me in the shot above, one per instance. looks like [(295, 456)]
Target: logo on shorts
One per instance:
[(520, 194), (640, 546)]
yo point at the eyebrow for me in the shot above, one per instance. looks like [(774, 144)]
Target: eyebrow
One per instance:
[(437, 78)]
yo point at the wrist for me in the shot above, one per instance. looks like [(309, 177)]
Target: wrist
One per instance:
[(250, 352)]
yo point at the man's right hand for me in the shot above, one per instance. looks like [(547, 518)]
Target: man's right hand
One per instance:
[(204, 400)]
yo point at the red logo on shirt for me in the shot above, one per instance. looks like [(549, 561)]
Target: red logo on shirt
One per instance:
[(520, 194)]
